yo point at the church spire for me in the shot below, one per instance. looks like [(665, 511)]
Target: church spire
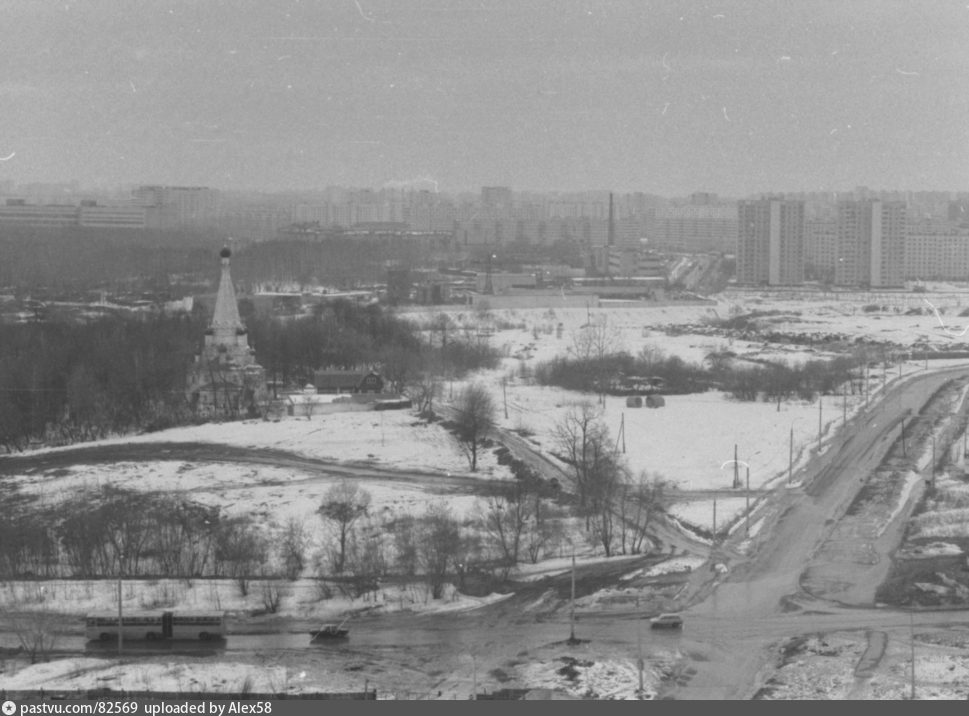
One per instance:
[(226, 324)]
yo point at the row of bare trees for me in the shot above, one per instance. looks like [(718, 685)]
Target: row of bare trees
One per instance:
[(618, 507), (436, 545)]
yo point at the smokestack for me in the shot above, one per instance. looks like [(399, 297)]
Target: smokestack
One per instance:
[(611, 223)]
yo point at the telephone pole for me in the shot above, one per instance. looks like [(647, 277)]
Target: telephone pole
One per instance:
[(820, 401), (736, 468), (911, 634), (572, 614), (714, 521), (790, 458), (747, 513)]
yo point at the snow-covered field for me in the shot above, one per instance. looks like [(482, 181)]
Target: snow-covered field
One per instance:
[(690, 442)]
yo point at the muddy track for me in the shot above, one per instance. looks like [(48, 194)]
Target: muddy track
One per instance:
[(210, 452)]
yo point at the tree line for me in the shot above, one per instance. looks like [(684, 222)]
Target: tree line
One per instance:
[(64, 382), (620, 373)]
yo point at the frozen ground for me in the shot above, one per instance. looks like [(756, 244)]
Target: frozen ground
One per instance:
[(826, 667), (690, 441)]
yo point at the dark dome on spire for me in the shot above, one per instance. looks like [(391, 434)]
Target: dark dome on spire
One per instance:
[(225, 253)]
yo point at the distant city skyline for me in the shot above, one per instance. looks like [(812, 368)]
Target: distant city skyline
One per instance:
[(736, 97)]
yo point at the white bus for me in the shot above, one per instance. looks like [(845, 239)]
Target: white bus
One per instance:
[(156, 625)]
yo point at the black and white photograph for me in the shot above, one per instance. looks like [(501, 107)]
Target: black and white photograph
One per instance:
[(483, 350)]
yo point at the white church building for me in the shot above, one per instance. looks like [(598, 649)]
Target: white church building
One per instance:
[(225, 380)]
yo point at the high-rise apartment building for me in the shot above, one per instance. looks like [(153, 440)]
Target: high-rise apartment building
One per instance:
[(770, 242), (821, 249), (936, 251), (695, 227), (871, 243)]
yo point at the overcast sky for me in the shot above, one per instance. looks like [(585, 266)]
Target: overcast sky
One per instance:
[(736, 97)]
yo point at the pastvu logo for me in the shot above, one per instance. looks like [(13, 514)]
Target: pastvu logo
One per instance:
[(9, 708)]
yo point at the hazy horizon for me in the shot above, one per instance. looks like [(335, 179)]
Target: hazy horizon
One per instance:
[(666, 98)]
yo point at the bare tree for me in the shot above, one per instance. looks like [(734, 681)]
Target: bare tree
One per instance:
[(406, 540), (344, 504), (36, 633), (439, 545), (544, 530), (398, 365), (240, 550), (504, 518), (272, 593), (606, 477), (474, 418), (639, 502), (592, 344), (423, 390), (583, 440), (293, 543), (367, 563)]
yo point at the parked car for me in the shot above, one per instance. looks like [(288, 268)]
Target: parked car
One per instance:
[(666, 621)]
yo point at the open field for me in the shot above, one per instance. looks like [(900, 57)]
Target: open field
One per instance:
[(690, 442)]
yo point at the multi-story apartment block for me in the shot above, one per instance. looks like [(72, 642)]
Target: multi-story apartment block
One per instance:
[(18, 211), (821, 249), (770, 242), (176, 206), (89, 213), (695, 228), (871, 243), (936, 250)]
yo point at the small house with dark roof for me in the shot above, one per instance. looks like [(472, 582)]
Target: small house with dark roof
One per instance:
[(348, 381)]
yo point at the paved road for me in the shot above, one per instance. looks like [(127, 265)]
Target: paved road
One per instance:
[(757, 592)]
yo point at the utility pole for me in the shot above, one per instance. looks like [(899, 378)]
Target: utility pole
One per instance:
[(790, 458), (639, 648), (866, 384), (736, 468), (820, 400), (504, 394), (911, 634), (747, 523), (572, 615), (714, 521), (622, 430), (120, 617), (844, 404), (474, 678)]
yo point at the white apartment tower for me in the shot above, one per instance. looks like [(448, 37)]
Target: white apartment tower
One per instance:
[(770, 242), (871, 243)]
